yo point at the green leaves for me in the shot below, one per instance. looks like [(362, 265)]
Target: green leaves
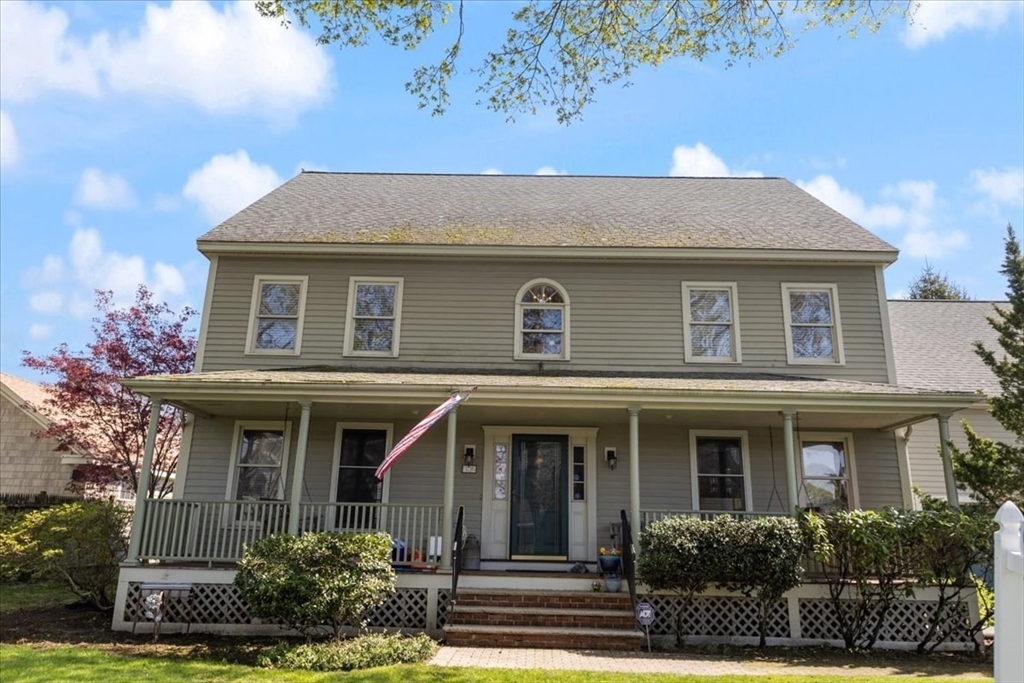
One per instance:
[(317, 579), (558, 52)]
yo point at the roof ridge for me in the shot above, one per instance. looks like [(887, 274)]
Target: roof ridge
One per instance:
[(534, 175)]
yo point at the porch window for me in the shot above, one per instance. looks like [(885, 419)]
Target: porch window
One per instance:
[(813, 331), (542, 321), (374, 316), (720, 469), (826, 466), (711, 327), (259, 461), (276, 315)]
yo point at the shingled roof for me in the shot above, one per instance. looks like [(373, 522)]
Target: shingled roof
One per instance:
[(933, 344), (546, 211)]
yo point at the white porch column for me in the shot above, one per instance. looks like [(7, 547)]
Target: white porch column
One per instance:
[(299, 473), (634, 471), (142, 492), (449, 492), (792, 490), (952, 497)]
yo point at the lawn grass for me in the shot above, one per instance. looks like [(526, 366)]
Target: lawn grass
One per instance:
[(15, 597), (27, 664)]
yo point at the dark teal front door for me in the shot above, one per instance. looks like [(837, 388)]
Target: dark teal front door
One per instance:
[(540, 497)]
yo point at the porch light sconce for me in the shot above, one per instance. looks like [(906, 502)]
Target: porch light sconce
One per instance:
[(469, 455), (611, 458)]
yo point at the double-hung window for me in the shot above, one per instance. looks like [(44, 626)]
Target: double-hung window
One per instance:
[(542, 321), (826, 465), (374, 316), (720, 471), (359, 451), (259, 459), (276, 315), (711, 326), (813, 332)]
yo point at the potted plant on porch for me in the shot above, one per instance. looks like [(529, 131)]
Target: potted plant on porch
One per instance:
[(610, 561)]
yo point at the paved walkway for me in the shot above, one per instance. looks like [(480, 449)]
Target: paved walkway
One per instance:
[(637, 662)]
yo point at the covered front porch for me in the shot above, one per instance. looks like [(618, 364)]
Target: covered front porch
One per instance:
[(542, 464)]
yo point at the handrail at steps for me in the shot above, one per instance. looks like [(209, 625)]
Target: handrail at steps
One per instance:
[(458, 546), (628, 558)]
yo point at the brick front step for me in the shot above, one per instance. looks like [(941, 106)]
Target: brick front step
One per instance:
[(543, 616), (542, 637), (544, 599)]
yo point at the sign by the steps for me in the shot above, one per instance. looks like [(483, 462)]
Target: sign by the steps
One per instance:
[(645, 617)]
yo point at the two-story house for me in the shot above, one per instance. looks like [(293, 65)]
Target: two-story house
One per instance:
[(638, 347)]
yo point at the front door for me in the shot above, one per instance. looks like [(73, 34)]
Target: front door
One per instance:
[(540, 497)]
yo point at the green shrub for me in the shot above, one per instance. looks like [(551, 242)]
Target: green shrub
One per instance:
[(365, 652), (81, 544), (317, 579)]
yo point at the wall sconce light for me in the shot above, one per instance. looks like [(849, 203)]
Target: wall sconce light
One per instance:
[(611, 458), (469, 455)]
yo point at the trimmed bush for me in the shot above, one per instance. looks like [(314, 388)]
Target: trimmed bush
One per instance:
[(365, 652), (81, 544), (317, 579)]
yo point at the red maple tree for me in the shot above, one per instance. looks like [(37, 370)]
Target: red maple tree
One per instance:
[(90, 409)]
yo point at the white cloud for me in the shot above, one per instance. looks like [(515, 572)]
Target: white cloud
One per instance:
[(49, 274), (228, 183), (225, 61), (911, 205), (491, 171), (549, 170), (699, 161), (46, 301), (999, 187), (934, 19), (8, 139), (165, 203), (37, 55), (40, 331), (99, 190)]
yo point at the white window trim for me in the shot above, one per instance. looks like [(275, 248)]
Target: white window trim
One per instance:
[(336, 460), (353, 283), (241, 425), (748, 492), (838, 357), (851, 462), (737, 355), (519, 354), (250, 338)]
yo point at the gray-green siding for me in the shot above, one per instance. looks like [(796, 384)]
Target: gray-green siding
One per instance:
[(624, 316)]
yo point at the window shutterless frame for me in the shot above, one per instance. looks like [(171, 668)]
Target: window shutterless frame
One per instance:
[(236, 444), (845, 438), (252, 335), (741, 435), (352, 315), (520, 306), (835, 325), (733, 322)]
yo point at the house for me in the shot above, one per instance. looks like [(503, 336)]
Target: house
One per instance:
[(933, 345), (30, 465), (639, 347)]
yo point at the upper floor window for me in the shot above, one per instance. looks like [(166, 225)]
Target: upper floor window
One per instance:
[(374, 316), (826, 466), (710, 322), (275, 319), (813, 331), (542, 321)]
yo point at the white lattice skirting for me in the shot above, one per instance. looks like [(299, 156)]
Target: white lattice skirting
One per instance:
[(423, 603)]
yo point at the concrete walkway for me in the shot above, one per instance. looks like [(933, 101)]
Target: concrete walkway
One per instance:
[(704, 665)]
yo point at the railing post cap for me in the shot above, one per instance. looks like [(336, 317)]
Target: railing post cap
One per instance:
[(1009, 515)]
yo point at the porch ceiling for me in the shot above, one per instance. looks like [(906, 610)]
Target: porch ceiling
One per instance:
[(548, 398)]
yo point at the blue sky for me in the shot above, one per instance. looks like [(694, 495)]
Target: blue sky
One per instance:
[(129, 129)]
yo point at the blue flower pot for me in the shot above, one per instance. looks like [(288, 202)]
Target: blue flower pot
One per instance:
[(609, 563)]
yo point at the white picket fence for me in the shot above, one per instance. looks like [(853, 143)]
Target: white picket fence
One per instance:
[(1009, 588)]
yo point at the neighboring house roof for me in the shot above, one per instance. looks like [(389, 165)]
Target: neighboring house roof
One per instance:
[(546, 211), (31, 398), (933, 344)]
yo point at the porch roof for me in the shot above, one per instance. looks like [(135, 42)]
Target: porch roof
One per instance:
[(728, 391)]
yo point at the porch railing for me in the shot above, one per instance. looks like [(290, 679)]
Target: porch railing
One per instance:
[(177, 530), (648, 516)]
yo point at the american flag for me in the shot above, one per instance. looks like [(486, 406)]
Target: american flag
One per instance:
[(420, 429)]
